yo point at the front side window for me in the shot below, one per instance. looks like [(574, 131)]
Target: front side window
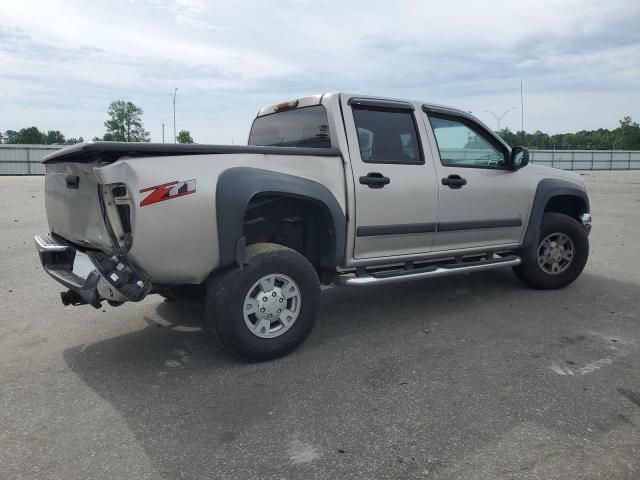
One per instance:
[(462, 146), (387, 136), (300, 127)]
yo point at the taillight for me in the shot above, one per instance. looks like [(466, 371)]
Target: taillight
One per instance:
[(286, 105), (123, 205), (115, 205)]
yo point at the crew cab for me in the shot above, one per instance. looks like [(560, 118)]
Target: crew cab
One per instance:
[(341, 189)]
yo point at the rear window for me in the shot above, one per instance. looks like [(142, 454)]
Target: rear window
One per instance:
[(302, 127)]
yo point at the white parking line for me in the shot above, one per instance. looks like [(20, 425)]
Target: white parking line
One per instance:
[(597, 365), (555, 366)]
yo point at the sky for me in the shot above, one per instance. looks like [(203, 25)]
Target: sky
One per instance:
[(63, 62)]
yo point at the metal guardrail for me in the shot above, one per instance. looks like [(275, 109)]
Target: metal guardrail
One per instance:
[(26, 159), (588, 159), (570, 159)]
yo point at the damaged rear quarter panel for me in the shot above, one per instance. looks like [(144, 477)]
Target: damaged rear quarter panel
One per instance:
[(176, 241)]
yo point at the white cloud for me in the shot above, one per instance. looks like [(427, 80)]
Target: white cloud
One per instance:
[(64, 61)]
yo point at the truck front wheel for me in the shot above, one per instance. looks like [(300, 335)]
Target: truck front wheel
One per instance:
[(267, 308), (559, 256)]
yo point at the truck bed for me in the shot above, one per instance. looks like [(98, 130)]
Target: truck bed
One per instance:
[(176, 241)]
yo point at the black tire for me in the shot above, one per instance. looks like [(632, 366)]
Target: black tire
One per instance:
[(530, 272), (226, 294)]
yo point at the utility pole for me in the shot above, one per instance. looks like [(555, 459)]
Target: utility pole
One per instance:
[(162, 132), (500, 117), (522, 111), (175, 136)]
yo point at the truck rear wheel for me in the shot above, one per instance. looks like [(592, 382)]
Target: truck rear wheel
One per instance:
[(266, 309), (559, 256)]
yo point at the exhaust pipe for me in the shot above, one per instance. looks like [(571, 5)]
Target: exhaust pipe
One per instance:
[(71, 298)]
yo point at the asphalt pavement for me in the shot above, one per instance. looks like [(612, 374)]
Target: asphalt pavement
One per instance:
[(469, 377)]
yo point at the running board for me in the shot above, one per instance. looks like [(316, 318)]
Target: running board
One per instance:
[(384, 278), (45, 243)]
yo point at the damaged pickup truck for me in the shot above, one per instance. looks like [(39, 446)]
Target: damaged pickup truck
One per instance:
[(336, 189)]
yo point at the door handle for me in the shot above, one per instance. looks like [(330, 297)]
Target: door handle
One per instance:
[(454, 181), (375, 180)]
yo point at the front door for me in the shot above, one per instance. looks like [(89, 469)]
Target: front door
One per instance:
[(396, 193), (482, 202)]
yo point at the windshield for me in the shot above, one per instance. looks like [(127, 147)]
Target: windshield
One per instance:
[(302, 127)]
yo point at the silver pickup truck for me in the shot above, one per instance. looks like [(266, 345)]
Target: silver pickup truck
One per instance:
[(336, 189)]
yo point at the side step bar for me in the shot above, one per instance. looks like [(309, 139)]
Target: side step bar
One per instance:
[(45, 243), (385, 278)]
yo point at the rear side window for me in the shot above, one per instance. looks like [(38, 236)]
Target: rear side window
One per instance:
[(387, 136), (302, 127)]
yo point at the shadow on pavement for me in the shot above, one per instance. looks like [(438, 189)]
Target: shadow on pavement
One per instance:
[(394, 381)]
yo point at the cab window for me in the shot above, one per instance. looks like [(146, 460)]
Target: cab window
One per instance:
[(387, 135), (463, 146), (302, 127)]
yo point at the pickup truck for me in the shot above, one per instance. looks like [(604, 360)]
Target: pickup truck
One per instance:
[(339, 189)]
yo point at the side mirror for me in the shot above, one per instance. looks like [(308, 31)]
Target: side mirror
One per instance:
[(519, 157)]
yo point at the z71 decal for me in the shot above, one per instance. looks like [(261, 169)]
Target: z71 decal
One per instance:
[(167, 191)]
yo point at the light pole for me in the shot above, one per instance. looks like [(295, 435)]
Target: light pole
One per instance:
[(175, 136), (500, 117), (522, 112)]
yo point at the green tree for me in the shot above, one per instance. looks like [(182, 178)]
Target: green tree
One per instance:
[(29, 135), (73, 140), (125, 123), (184, 136), (629, 134), (625, 137), (10, 136), (54, 137), (508, 136)]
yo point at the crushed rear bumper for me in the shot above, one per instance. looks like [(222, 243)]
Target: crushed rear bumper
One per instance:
[(91, 276)]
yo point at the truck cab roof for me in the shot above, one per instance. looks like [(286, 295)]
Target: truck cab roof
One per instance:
[(317, 99)]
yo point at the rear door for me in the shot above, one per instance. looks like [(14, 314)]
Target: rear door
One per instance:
[(482, 202), (396, 193)]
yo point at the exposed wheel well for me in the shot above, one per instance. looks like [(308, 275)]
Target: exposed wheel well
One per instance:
[(300, 223), (570, 205)]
